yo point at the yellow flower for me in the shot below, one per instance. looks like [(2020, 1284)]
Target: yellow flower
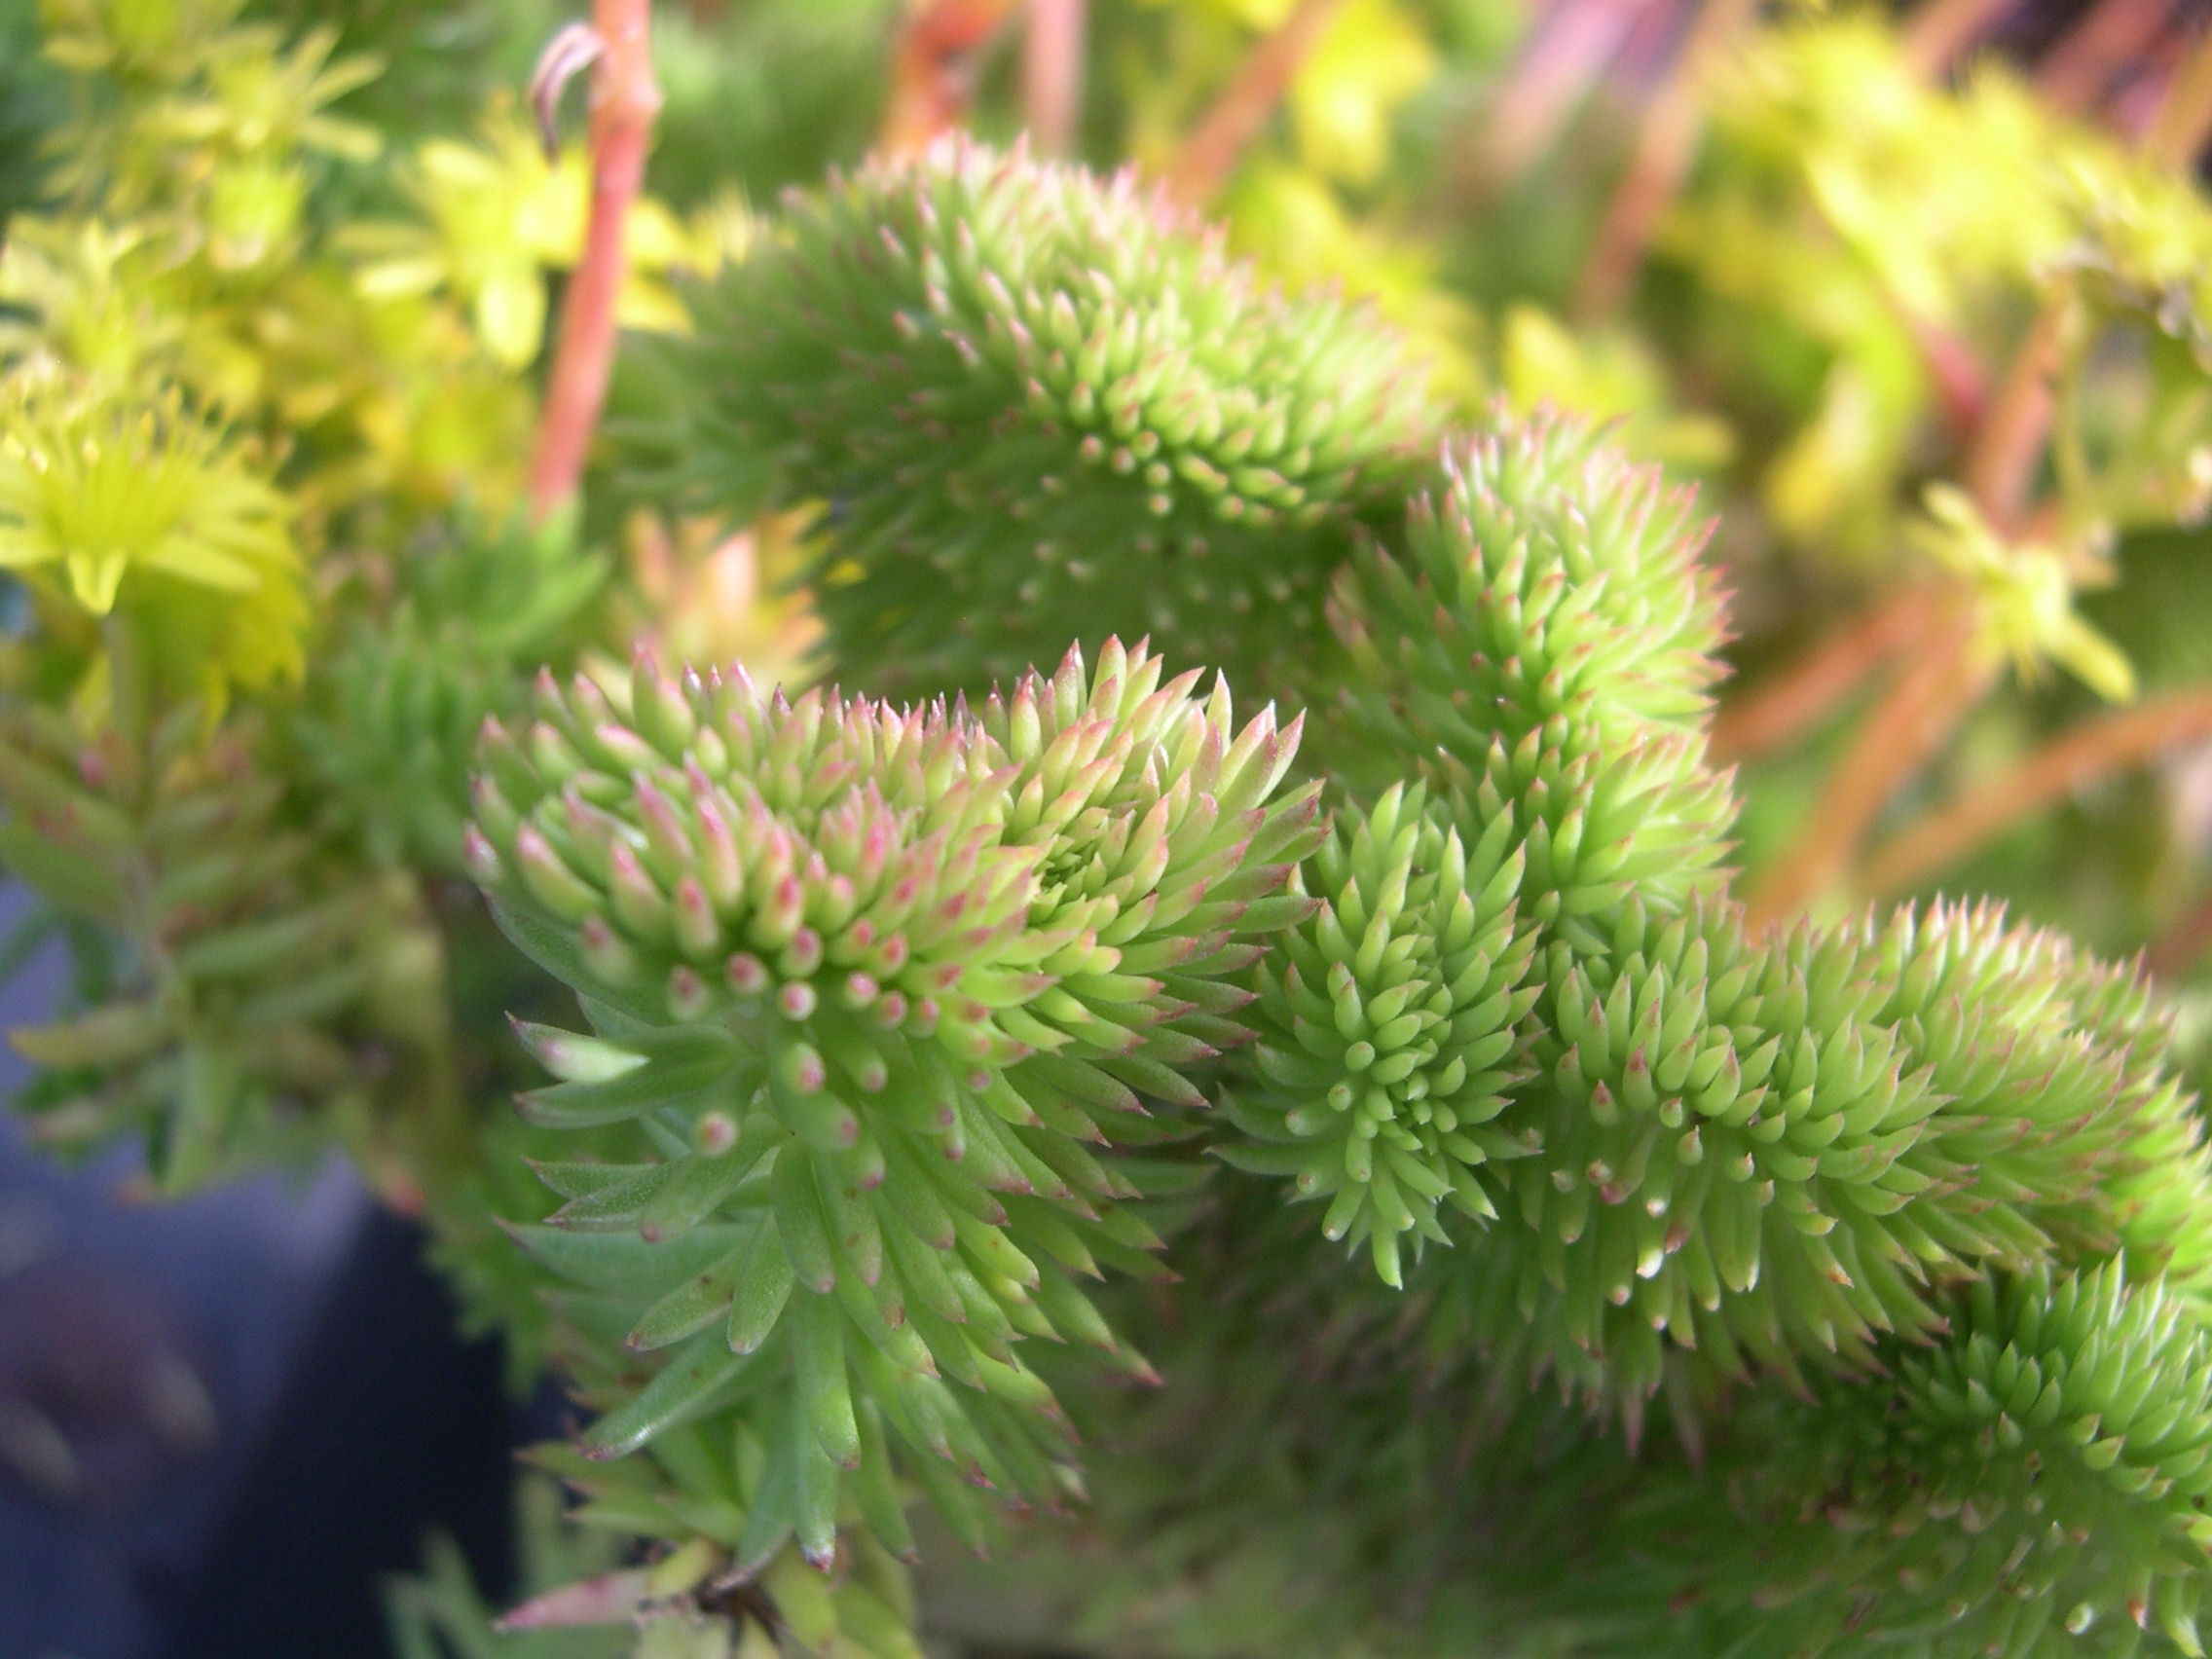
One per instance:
[(2026, 592), (1608, 374), (158, 39), (121, 504), (496, 216), (265, 99), (94, 296), (2145, 242)]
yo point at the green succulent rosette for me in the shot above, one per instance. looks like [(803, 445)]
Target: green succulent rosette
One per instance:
[(890, 993)]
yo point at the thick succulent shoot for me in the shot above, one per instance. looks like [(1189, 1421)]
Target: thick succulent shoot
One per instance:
[(1771, 1153), (1391, 1028), (898, 981), (1044, 405), (1541, 635), (2036, 1484)]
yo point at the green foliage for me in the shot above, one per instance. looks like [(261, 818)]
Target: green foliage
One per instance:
[(261, 636), (582, 1600), (262, 982), (439, 1614), (879, 980), (410, 686), (964, 1107), (767, 96), (990, 372)]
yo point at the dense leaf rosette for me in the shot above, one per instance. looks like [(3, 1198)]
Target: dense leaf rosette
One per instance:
[(884, 986), (1039, 405), (1389, 1028), (2034, 1485)]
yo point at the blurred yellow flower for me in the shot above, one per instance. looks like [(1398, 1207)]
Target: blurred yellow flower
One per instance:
[(92, 296), (2026, 596), (1608, 374), (158, 39), (496, 216), (115, 503)]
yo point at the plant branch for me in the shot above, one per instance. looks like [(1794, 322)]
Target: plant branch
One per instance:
[(1666, 144), (625, 98), (2081, 756), (1051, 73), (2000, 463), (1226, 130), (2074, 74), (2184, 119), (1787, 704), (1961, 384), (1944, 683), (1926, 702), (1903, 734), (2177, 950), (1568, 48), (932, 71), (1942, 30)]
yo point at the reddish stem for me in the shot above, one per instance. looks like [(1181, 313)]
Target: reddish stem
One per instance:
[(1226, 130), (2177, 950), (1941, 685), (2076, 71), (1899, 738), (1665, 147), (2000, 463), (1962, 385), (2081, 756), (625, 98), (2184, 121), (1051, 73), (1568, 50), (1781, 708), (932, 71), (1940, 30)]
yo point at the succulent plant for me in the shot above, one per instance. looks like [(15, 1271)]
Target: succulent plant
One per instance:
[(968, 1104), (1035, 405), (888, 986), (1516, 1037)]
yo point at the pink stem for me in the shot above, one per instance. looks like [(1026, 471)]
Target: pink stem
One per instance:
[(625, 98)]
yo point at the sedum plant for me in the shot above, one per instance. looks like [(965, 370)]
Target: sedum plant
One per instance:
[(880, 979), (1286, 1129), (1065, 360), (1507, 1029)]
